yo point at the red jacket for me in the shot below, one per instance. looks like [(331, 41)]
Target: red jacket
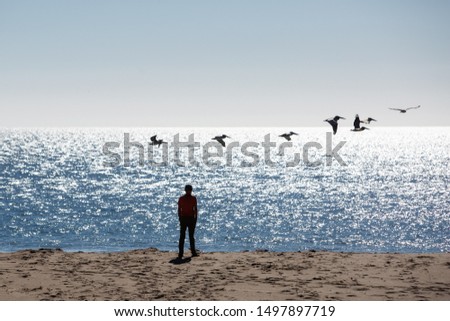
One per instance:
[(187, 206)]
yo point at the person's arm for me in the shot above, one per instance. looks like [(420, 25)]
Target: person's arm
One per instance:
[(179, 208), (195, 207)]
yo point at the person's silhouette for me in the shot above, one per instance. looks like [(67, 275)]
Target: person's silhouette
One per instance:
[(187, 214)]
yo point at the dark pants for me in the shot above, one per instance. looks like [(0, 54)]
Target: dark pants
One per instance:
[(189, 223)]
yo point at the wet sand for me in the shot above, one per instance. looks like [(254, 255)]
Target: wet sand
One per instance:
[(150, 274)]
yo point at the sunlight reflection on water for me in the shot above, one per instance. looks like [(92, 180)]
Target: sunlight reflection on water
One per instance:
[(393, 195)]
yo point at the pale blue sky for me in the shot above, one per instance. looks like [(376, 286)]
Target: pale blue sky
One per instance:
[(223, 63)]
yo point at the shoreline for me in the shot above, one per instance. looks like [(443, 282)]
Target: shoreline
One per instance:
[(174, 248), (151, 274)]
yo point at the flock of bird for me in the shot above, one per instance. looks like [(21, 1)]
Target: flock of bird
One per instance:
[(155, 141), (332, 121), (357, 122)]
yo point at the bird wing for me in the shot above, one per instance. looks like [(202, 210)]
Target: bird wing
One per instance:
[(221, 141), (160, 141), (396, 109), (356, 122), (413, 107), (334, 125)]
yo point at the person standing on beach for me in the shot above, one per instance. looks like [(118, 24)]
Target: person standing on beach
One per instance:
[(187, 214)]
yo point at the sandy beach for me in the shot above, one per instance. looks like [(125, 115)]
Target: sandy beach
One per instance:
[(150, 274)]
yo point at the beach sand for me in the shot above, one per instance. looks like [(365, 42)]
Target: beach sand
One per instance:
[(150, 274)]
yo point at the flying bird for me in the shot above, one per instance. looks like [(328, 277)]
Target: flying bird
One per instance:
[(157, 141), (334, 123), (368, 120), (220, 139), (359, 129), (288, 135), (405, 110), (356, 125)]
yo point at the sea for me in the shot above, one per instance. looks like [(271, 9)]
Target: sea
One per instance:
[(386, 189)]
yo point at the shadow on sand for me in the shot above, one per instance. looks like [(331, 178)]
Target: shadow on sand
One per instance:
[(180, 261)]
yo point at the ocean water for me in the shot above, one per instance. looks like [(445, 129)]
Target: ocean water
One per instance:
[(97, 189)]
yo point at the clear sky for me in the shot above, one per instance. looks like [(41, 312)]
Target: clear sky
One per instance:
[(223, 63)]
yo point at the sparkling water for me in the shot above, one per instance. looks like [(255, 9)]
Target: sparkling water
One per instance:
[(97, 189)]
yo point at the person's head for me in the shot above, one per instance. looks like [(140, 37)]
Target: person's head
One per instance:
[(188, 189)]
